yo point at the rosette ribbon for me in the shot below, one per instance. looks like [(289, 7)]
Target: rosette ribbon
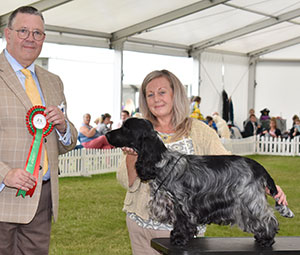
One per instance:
[(38, 127)]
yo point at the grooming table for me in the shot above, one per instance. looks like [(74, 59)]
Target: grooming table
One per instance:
[(229, 246)]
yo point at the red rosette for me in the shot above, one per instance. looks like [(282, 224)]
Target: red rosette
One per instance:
[(37, 109)]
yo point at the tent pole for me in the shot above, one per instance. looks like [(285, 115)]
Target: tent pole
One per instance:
[(251, 84), (118, 81), (195, 91)]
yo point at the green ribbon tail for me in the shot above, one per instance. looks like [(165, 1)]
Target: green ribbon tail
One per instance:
[(34, 156)]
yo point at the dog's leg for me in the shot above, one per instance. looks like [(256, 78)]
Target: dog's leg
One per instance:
[(258, 218), (264, 235), (183, 229)]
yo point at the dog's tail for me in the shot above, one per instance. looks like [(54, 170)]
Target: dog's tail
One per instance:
[(282, 209)]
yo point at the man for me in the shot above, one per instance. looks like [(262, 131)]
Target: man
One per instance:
[(25, 222), (124, 116), (251, 128)]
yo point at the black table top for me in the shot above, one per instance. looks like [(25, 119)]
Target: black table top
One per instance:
[(228, 245)]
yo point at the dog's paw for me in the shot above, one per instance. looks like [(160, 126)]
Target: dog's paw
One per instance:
[(265, 242), (178, 239)]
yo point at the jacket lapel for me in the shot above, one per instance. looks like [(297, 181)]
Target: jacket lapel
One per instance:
[(9, 77)]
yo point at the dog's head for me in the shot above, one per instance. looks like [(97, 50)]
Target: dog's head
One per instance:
[(139, 135), (132, 134)]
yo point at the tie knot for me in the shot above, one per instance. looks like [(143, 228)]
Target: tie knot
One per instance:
[(26, 72)]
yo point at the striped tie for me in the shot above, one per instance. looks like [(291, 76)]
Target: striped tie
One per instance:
[(35, 98)]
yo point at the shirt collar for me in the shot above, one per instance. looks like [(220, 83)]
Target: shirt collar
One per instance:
[(16, 66)]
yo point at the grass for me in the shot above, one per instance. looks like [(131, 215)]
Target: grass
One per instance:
[(91, 220)]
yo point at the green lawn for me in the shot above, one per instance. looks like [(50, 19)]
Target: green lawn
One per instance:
[(91, 220)]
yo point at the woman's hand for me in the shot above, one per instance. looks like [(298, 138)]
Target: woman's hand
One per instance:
[(280, 196), (129, 151), (131, 158)]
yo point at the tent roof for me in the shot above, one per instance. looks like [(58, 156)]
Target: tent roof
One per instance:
[(183, 28)]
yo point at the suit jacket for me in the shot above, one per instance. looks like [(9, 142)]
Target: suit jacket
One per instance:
[(249, 129), (15, 140)]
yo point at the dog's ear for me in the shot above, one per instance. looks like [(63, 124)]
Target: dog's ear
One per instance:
[(150, 154)]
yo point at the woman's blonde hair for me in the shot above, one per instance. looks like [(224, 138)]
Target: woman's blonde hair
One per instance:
[(273, 119), (180, 120)]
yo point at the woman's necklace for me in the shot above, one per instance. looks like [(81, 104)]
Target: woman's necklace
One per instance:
[(165, 137)]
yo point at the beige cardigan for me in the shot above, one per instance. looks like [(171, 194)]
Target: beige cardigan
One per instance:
[(205, 142)]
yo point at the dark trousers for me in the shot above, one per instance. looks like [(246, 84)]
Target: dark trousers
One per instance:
[(32, 238)]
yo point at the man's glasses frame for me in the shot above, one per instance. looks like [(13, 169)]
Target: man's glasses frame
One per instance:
[(24, 33)]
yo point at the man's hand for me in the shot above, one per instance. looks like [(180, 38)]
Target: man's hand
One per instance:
[(57, 118), (20, 179)]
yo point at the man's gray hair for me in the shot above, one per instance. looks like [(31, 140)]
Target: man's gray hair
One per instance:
[(23, 9)]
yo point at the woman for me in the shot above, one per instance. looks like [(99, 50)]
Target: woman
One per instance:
[(89, 137), (195, 109), (163, 101), (295, 130), (272, 131), (105, 124)]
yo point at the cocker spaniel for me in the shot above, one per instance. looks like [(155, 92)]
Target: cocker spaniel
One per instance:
[(189, 190)]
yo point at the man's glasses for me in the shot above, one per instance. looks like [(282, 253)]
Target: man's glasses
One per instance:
[(24, 34)]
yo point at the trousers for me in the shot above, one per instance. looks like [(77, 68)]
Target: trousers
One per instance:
[(32, 238), (140, 238)]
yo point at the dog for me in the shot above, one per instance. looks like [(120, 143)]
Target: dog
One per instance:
[(191, 190)]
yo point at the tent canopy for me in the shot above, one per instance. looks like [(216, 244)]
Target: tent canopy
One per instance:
[(182, 28), (219, 34)]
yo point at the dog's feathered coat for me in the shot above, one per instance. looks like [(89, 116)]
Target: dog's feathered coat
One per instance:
[(188, 190)]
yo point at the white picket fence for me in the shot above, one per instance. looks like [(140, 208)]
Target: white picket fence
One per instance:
[(86, 162), (263, 145)]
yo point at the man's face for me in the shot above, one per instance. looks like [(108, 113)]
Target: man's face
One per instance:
[(253, 118), (124, 116), (25, 51)]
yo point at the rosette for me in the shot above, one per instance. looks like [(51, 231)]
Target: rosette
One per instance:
[(38, 127)]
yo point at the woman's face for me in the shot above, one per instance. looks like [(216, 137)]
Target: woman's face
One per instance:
[(272, 124), (159, 97), (106, 121), (86, 119)]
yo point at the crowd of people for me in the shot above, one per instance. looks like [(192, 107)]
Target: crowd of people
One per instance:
[(94, 137), (91, 137), (252, 126), (268, 126)]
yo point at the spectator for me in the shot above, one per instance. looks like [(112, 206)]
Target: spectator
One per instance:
[(251, 111), (264, 114), (210, 122), (195, 108), (89, 137), (295, 117), (272, 131), (124, 116), (252, 128), (105, 124), (235, 132), (295, 130), (264, 118)]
